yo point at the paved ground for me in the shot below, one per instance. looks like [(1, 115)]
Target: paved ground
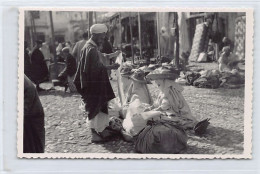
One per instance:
[(66, 130)]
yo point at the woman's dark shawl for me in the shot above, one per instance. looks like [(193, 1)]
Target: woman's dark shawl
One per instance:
[(34, 132), (39, 67)]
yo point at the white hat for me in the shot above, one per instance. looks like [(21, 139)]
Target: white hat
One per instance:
[(98, 28)]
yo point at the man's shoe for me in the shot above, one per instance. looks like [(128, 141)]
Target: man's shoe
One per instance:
[(96, 138)]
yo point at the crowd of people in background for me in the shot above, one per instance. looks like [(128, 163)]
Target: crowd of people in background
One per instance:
[(92, 55), (37, 60)]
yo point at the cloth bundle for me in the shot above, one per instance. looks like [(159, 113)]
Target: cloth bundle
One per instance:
[(191, 77), (232, 80), (134, 122), (211, 82), (161, 136)]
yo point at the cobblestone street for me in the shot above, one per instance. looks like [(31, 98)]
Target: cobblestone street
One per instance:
[(67, 131)]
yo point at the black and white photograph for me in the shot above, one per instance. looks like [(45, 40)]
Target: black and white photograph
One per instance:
[(137, 83)]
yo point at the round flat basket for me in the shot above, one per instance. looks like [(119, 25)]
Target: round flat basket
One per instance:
[(126, 74), (169, 76)]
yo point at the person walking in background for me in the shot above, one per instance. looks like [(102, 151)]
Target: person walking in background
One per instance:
[(39, 67), (78, 47), (93, 84), (33, 122)]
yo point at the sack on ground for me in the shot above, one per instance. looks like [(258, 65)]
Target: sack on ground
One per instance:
[(161, 136)]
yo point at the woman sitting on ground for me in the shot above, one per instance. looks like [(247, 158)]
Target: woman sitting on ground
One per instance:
[(170, 99), (170, 104)]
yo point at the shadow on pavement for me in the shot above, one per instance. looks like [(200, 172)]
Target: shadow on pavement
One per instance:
[(57, 93), (222, 137)]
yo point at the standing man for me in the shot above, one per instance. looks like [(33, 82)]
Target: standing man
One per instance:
[(39, 67), (93, 84), (78, 47)]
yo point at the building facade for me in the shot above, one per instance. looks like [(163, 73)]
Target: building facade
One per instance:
[(68, 26)]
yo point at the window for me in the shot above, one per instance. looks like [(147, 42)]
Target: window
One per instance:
[(35, 14)]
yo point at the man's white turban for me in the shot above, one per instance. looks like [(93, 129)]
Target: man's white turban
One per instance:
[(98, 28), (66, 49)]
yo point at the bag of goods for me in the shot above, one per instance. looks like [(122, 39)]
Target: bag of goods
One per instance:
[(161, 136), (191, 77), (211, 82), (232, 80), (134, 122)]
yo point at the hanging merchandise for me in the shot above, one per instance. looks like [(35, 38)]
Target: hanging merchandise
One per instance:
[(198, 41), (240, 34), (184, 34)]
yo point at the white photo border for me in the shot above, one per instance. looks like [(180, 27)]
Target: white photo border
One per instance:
[(247, 154)]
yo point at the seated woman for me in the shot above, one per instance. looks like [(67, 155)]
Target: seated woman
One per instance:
[(170, 100), (170, 104), (138, 88), (167, 118), (223, 59)]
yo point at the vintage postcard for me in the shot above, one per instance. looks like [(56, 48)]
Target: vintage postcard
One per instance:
[(135, 83)]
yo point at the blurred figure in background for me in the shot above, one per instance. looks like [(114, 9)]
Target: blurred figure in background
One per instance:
[(27, 61), (66, 76), (107, 49), (45, 49), (226, 42), (164, 42), (39, 67), (58, 52), (69, 45), (78, 47)]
